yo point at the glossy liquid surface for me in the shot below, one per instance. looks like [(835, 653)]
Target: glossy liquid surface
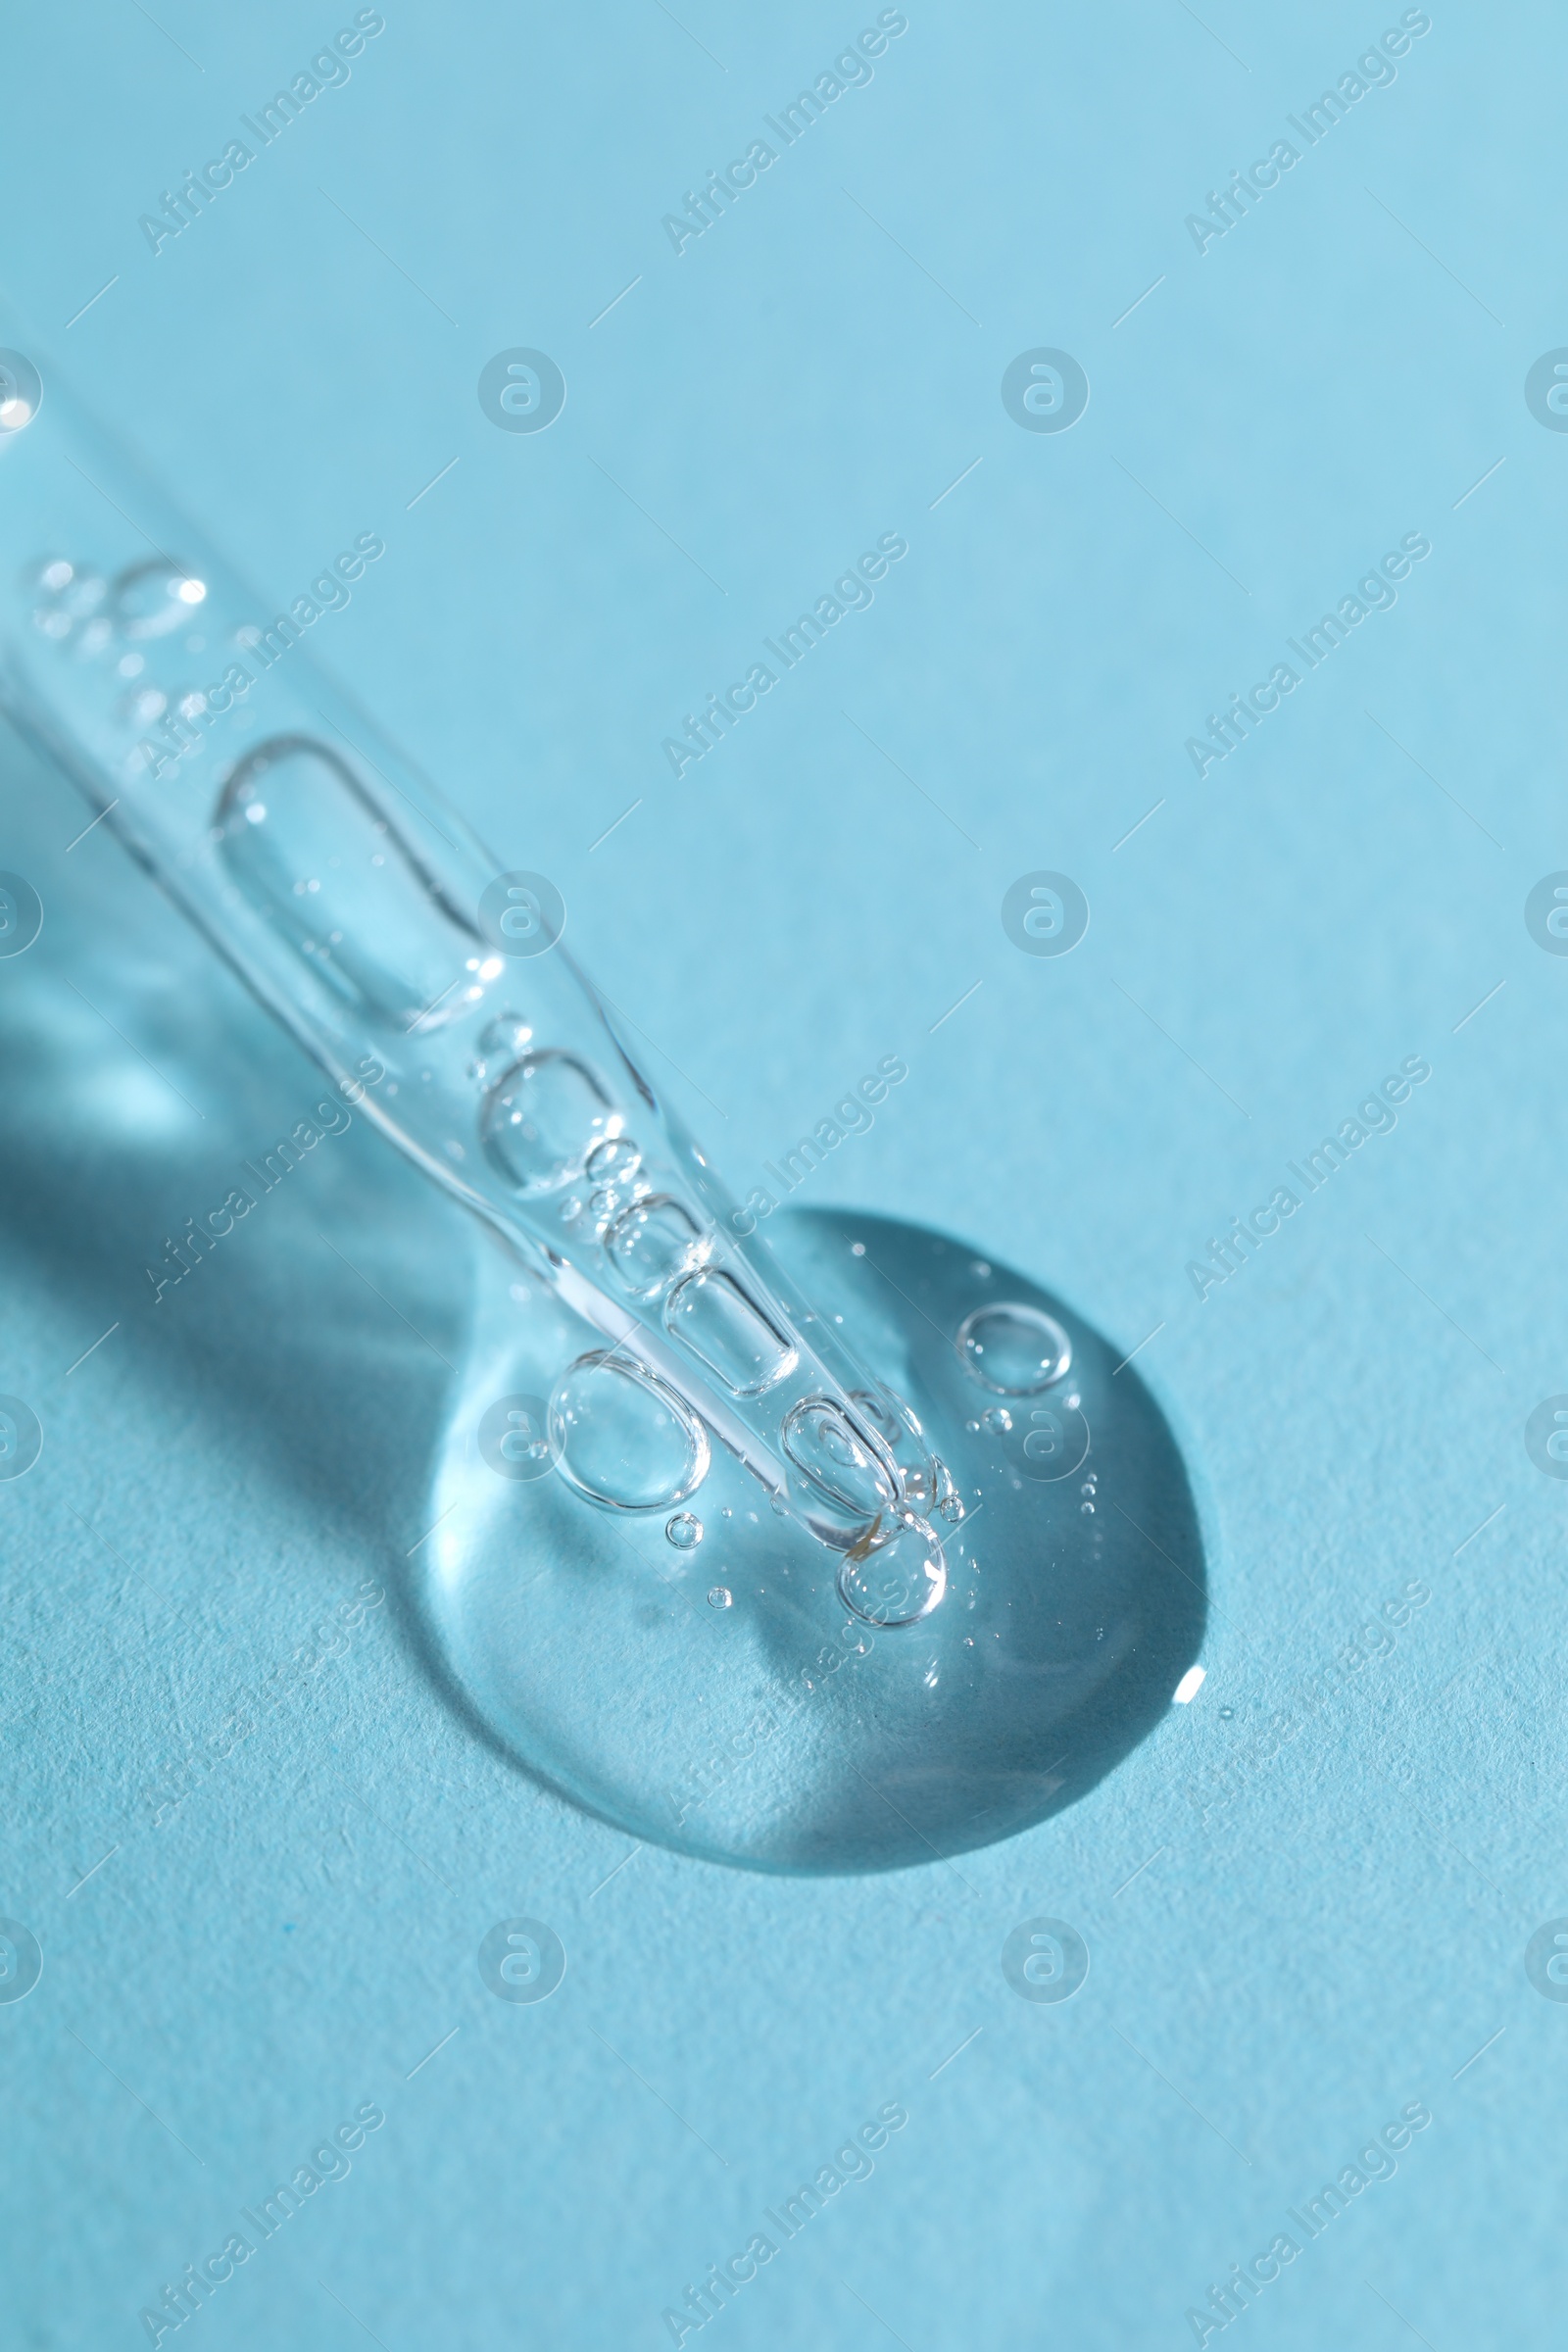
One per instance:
[(719, 1680)]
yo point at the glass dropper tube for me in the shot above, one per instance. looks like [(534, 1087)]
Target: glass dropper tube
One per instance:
[(435, 989)]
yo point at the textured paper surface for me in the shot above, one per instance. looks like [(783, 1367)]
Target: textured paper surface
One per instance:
[(1318, 1937)]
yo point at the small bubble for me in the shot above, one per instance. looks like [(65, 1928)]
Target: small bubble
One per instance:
[(996, 1419), (685, 1531), (1013, 1350), (973, 1428), (614, 1161), (142, 705), (857, 1249), (720, 1597), (1226, 1714)]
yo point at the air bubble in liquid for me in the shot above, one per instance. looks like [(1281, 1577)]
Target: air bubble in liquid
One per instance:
[(922, 1477), (153, 598), (623, 1438), (615, 1160), (1013, 1350), (720, 1597), (67, 596), (996, 1419), (836, 1461), (291, 814), (142, 705), (899, 1583), (653, 1244), (506, 1039), (712, 1317), (541, 1118), (685, 1531)]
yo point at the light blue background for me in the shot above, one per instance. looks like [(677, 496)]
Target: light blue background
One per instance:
[(1340, 1935)]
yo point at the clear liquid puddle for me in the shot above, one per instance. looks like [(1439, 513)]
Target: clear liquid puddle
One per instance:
[(731, 1686)]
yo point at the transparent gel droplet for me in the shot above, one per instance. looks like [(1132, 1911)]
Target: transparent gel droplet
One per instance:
[(685, 1531), (541, 1118), (1013, 1350), (912, 1682), (310, 853), (623, 1438)]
